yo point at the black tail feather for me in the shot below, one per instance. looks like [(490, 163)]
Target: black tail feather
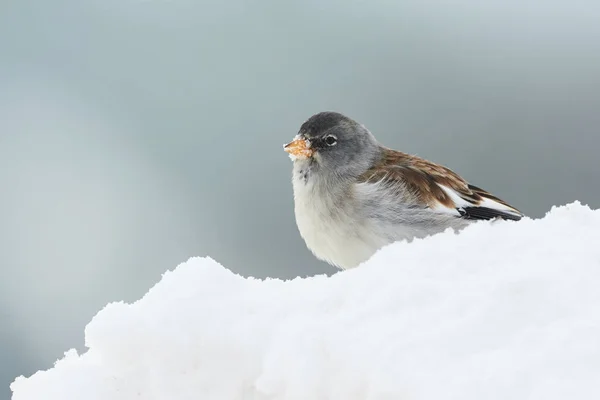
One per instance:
[(485, 213)]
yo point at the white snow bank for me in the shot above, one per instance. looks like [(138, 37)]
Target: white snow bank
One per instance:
[(500, 311)]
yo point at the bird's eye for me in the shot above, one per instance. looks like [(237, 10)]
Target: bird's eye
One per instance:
[(330, 140)]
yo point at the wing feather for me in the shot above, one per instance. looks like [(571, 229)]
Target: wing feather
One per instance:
[(437, 187)]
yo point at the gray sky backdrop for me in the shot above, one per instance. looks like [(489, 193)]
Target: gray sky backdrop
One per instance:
[(136, 134)]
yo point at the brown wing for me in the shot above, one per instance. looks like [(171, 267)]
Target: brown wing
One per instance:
[(434, 185)]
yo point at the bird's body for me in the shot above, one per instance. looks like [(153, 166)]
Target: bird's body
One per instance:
[(353, 196)]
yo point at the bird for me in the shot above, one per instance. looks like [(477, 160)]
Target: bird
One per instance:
[(352, 195)]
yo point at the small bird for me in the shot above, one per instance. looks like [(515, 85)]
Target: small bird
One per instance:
[(353, 196)]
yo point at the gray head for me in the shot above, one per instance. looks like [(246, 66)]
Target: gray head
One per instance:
[(333, 144)]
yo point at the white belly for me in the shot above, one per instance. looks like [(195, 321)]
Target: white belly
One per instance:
[(332, 230)]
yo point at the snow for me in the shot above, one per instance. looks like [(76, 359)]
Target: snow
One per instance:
[(503, 310)]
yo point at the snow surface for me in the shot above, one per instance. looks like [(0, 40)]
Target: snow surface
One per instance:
[(505, 310)]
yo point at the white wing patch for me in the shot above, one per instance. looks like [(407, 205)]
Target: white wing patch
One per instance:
[(485, 202), (455, 197), (441, 208)]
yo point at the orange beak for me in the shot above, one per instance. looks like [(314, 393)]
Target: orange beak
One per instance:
[(299, 148)]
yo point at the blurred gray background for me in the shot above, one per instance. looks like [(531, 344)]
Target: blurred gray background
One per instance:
[(136, 134)]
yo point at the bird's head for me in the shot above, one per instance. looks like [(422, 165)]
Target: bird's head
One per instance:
[(334, 144)]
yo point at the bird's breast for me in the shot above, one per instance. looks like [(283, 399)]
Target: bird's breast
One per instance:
[(331, 225)]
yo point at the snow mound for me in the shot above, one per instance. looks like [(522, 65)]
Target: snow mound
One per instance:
[(503, 310)]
